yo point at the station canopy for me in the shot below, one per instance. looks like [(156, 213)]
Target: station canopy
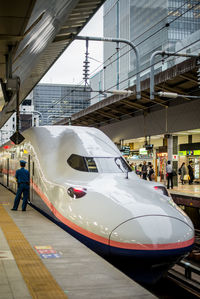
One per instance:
[(181, 79), (33, 35)]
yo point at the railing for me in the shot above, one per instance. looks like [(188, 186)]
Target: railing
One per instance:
[(189, 269), (186, 280)]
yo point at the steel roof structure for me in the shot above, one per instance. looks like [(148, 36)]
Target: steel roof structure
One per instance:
[(33, 34), (181, 79)]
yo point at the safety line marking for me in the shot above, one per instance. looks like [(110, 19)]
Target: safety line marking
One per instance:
[(39, 280)]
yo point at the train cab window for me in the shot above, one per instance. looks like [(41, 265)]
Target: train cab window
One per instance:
[(112, 165), (77, 162), (98, 164)]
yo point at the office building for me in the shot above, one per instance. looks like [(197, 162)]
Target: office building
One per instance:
[(57, 101), (28, 118), (151, 26)]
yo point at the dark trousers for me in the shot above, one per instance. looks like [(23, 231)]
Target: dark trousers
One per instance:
[(22, 188), (191, 178), (170, 180), (144, 176)]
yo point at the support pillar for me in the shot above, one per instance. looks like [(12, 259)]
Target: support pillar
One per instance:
[(175, 162), (170, 148)]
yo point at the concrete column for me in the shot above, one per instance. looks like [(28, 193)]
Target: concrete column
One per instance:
[(170, 147), (175, 163), (189, 138)]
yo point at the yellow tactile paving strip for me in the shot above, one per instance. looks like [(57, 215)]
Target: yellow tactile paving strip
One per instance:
[(39, 280)]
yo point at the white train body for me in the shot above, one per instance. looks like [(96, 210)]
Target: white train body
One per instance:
[(78, 178)]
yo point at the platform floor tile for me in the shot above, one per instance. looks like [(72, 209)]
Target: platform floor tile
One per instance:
[(80, 272), (39, 280)]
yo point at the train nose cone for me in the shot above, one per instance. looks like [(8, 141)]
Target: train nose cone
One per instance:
[(152, 232)]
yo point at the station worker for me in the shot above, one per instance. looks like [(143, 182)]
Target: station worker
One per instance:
[(23, 179)]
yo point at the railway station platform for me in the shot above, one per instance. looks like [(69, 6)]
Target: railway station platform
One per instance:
[(187, 195), (40, 260), (188, 190)]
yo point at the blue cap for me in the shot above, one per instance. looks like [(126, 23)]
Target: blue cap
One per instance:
[(22, 161)]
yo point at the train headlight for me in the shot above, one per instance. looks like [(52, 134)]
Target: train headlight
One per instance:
[(76, 192), (162, 190)]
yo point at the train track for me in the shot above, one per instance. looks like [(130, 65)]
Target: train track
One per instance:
[(186, 273), (187, 276), (183, 280), (197, 239)]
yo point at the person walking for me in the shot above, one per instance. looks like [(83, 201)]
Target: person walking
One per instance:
[(183, 172), (23, 180), (191, 173), (139, 170), (144, 171), (169, 172), (151, 173)]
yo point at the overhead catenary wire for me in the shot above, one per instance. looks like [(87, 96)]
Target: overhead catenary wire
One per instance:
[(168, 24), (144, 40), (144, 69), (148, 38), (109, 58)]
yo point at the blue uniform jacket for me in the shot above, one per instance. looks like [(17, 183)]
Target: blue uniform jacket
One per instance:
[(22, 175)]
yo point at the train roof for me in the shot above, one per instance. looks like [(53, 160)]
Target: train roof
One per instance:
[(85, 141)]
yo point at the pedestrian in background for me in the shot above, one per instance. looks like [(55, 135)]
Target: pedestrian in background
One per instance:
[(169, 172), (139, 170), (183, 172), (23, 180), (144, 171), (151, 173), (191, 173)]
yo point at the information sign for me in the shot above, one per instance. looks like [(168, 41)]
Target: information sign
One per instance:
[(47, 252), (189, 153), (175, 157), (126, 150), (50, 256), (196, 152), (43, 247), (182, 153), (143, 151)]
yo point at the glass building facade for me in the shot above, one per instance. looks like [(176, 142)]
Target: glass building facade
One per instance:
[(151, 26), (57, 101), (159, 25)]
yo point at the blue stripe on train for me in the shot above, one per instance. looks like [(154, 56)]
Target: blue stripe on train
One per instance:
[(106, 250), (150, 253)]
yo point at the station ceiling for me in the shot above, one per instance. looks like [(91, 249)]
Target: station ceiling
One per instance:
[(156, 137), (181, 79), (33, 35)]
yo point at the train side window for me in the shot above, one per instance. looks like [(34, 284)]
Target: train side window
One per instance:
[(77, 162)]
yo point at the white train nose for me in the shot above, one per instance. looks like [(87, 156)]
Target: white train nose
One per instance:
[(153, 232)]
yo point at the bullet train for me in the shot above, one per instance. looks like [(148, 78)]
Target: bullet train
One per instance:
[(80, 179)]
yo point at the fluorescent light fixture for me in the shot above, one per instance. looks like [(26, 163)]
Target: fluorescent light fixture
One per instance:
[(120, 92)]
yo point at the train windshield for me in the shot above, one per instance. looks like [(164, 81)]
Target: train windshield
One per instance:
[(98, 164)]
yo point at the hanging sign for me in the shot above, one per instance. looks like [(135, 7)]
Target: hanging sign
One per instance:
[(175, 157)]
